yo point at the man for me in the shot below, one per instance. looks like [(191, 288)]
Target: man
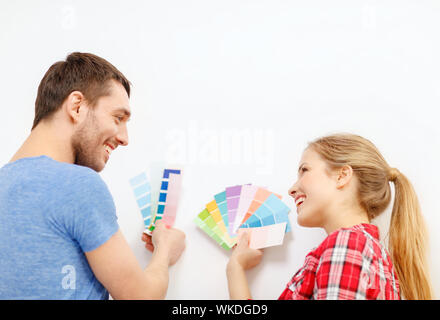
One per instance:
[(59, 236)]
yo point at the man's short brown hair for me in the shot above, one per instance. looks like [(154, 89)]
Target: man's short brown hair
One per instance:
[(84, 72)]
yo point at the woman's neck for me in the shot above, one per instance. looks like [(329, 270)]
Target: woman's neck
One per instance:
[(345, 218)]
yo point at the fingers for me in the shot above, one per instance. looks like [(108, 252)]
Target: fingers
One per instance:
[(259, 253), (243, 239), (146, 238), (148, 242), (161, 224), (158, 223), (149, 247), (170, 239)]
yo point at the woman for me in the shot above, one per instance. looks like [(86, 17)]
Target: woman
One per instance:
[(344, 183)]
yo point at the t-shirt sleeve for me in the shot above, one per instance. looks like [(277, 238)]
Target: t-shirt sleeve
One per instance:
[(93, 219), (343, 270)]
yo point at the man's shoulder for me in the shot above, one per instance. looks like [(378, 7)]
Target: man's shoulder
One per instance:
[(80, 179), (48, 173), (78, 173), (78, 188)]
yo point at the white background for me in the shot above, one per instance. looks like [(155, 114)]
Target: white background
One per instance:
[(273, 74)]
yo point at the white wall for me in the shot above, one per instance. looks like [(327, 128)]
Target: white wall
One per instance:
[(276, 74)]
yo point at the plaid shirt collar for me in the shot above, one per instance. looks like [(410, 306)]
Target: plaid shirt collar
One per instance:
[(369, 228)]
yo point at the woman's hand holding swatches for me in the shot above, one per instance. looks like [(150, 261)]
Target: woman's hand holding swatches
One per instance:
[(242, 259)]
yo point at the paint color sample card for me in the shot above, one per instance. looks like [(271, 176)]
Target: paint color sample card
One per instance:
[(247, 195), (207, 223), (271, 211), (170, 190), (232, 200), (172, 199), (260, 196), (220, 198), (268, 236), (245, 207), (215, 213), (142, 192)]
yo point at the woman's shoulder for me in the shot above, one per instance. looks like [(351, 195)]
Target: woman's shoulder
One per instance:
[(356, 238)]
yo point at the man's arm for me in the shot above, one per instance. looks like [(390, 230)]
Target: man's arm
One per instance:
[(116, 267)]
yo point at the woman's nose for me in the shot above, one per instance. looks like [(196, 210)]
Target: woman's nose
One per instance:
[(292, 191)]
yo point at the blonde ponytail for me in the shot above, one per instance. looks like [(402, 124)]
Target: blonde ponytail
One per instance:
[(408, 234), (408, 241)]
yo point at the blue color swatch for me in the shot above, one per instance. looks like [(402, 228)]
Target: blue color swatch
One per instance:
[(142, 191), (272, 211)]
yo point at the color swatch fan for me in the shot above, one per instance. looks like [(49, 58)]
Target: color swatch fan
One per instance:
[(245, 208), (166, 206)]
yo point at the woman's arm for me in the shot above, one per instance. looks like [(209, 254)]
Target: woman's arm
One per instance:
[(242, 259)]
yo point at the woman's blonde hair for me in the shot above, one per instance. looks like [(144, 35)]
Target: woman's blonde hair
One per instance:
[(408, 235)]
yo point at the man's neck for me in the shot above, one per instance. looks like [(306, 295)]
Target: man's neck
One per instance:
[(46, 140)]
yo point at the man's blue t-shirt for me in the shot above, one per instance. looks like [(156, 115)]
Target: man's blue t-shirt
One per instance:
[(51, 213)]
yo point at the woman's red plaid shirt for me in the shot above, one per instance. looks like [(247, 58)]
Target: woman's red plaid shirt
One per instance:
[(349, 264)]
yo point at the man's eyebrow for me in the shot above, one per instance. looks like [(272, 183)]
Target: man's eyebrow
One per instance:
[(125, 111)]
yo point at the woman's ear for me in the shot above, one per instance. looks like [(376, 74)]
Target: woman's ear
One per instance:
[(75, 106), (345, 174)]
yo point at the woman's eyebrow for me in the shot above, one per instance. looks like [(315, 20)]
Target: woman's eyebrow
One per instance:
[(302, 165)]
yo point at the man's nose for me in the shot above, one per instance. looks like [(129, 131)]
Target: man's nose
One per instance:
[(122, 136)]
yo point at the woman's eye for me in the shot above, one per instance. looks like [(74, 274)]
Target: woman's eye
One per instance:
[(304, 169)]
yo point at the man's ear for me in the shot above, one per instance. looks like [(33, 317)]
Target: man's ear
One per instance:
[(344, 176), (76, 106)]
